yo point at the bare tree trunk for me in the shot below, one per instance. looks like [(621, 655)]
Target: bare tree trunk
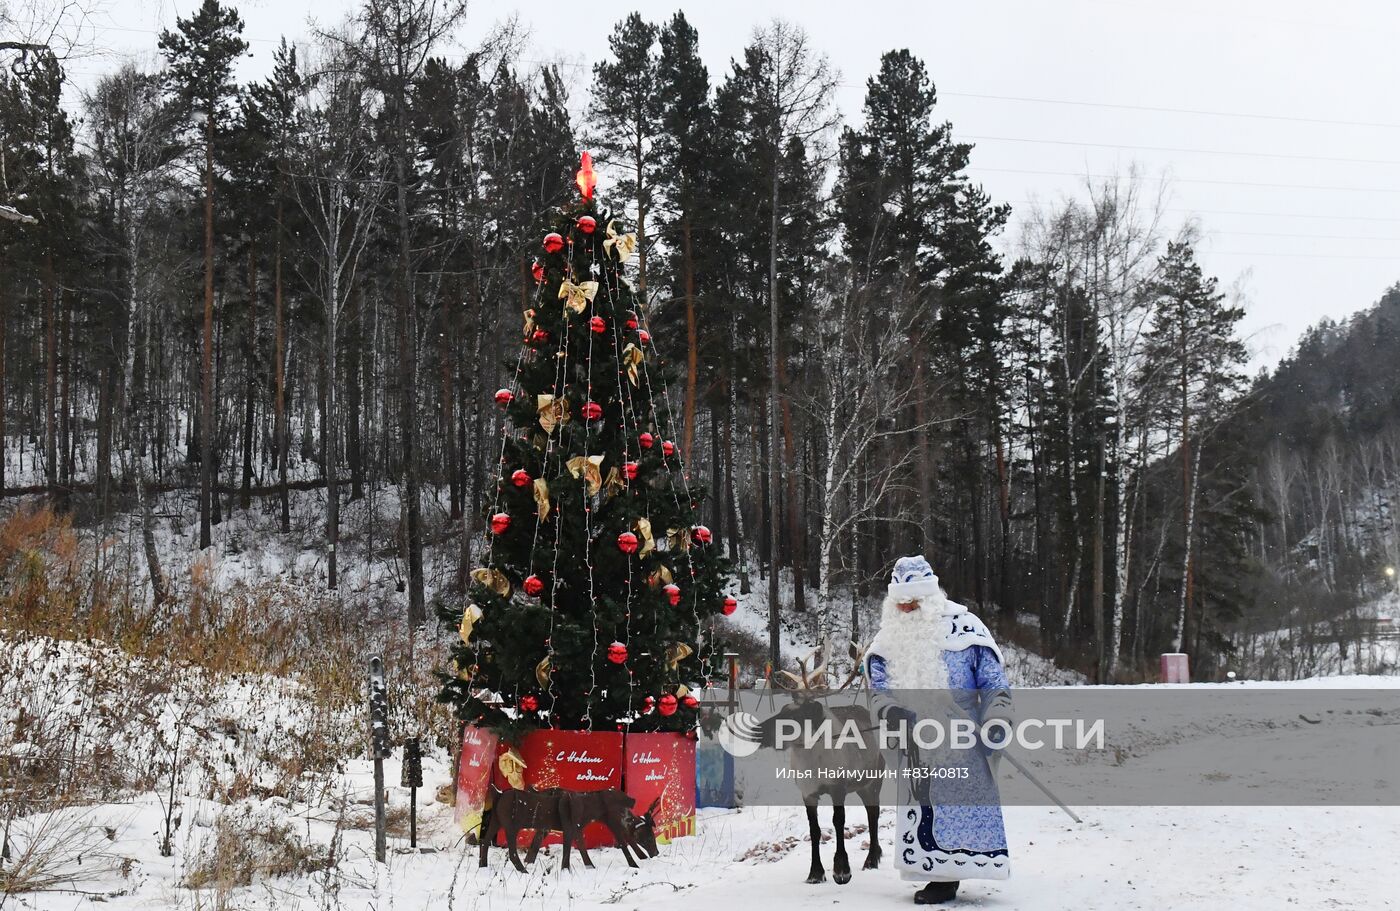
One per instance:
[(1187, 586), (1188, 504), (638, 163), (692, 358), (51, 374), (160, 588), (65, 422), (4, 314), (206, 400), (408, 376), (1008, 607), (774, 651), (353, 374), (796, 540), (279, 354), (331, 418), (731, 483), (1098, 570), (245, 493), (449, 427)]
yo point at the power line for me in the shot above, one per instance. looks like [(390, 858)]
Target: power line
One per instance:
[(1244, 115), (1108, 145), (1389, 259), (1227, 183), (1394, 240), (982, 96)]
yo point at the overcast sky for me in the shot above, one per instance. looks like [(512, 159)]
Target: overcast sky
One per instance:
[(1275, 124)]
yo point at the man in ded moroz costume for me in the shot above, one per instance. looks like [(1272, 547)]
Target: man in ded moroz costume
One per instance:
[(934, 660)]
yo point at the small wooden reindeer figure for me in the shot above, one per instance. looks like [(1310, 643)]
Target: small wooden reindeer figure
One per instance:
[(567, 812)]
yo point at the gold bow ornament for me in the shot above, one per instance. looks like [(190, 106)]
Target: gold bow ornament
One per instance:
[(677, 539), (512, 765), (469, 618), (541, 487), (643, 529), (553, 411), (633, 357), (621, 244), (493, 579), (677, 652), (590, 469), (576, 297)]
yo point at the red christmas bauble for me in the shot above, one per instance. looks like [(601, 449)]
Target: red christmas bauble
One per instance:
[(537, 270), (529, 704), (645, 336), (587, 224), (630, 469), (668, 705), (539, 336), (499, 523), (646, 440), (668, 448), (648, 704), (553, 243), (631, 320), (673, 594), (617, 653), (593, 411), (504, 397), (690, 701), (731, 604), (533, 585), (702, 535), (627, 542), (520, 477), (597, 324)]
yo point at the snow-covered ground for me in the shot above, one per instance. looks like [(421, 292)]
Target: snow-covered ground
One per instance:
[(1119, 858), (248, 834)]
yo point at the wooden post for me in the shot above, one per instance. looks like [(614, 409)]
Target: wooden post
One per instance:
[(379, 749), (411, 777)]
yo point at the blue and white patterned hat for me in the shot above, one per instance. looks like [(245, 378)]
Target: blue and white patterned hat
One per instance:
[(912, 579)]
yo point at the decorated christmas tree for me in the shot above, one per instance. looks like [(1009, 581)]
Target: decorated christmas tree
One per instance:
[(594, 607)]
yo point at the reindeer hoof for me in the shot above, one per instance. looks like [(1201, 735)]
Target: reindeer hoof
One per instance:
[(841, 878), (815, 878), (872, 862)]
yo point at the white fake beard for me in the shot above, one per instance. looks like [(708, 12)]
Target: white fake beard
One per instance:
[(912, 643)]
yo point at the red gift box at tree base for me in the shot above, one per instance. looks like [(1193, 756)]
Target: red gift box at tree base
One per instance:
[(574, 761), (648, 767), (663, 766), (474, 770)]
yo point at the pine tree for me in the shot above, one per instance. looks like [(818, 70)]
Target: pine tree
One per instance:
[(598, 584), (202, 51), (271, 124), (1194, 341), (627, 106), (685, 155)]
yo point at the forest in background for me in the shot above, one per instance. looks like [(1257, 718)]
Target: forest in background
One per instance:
[(316, 281)]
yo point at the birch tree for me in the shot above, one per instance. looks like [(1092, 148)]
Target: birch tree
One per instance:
[(338, 191)]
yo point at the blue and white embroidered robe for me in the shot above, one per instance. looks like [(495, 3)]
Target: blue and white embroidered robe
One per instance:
[(965, 838)]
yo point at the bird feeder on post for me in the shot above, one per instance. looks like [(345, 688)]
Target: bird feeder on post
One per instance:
[(411, 777), (379, 749)]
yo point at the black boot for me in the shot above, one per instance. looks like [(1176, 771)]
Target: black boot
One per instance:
[(936, 893)]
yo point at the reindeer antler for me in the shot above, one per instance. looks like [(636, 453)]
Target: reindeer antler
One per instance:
[(857, 653)]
